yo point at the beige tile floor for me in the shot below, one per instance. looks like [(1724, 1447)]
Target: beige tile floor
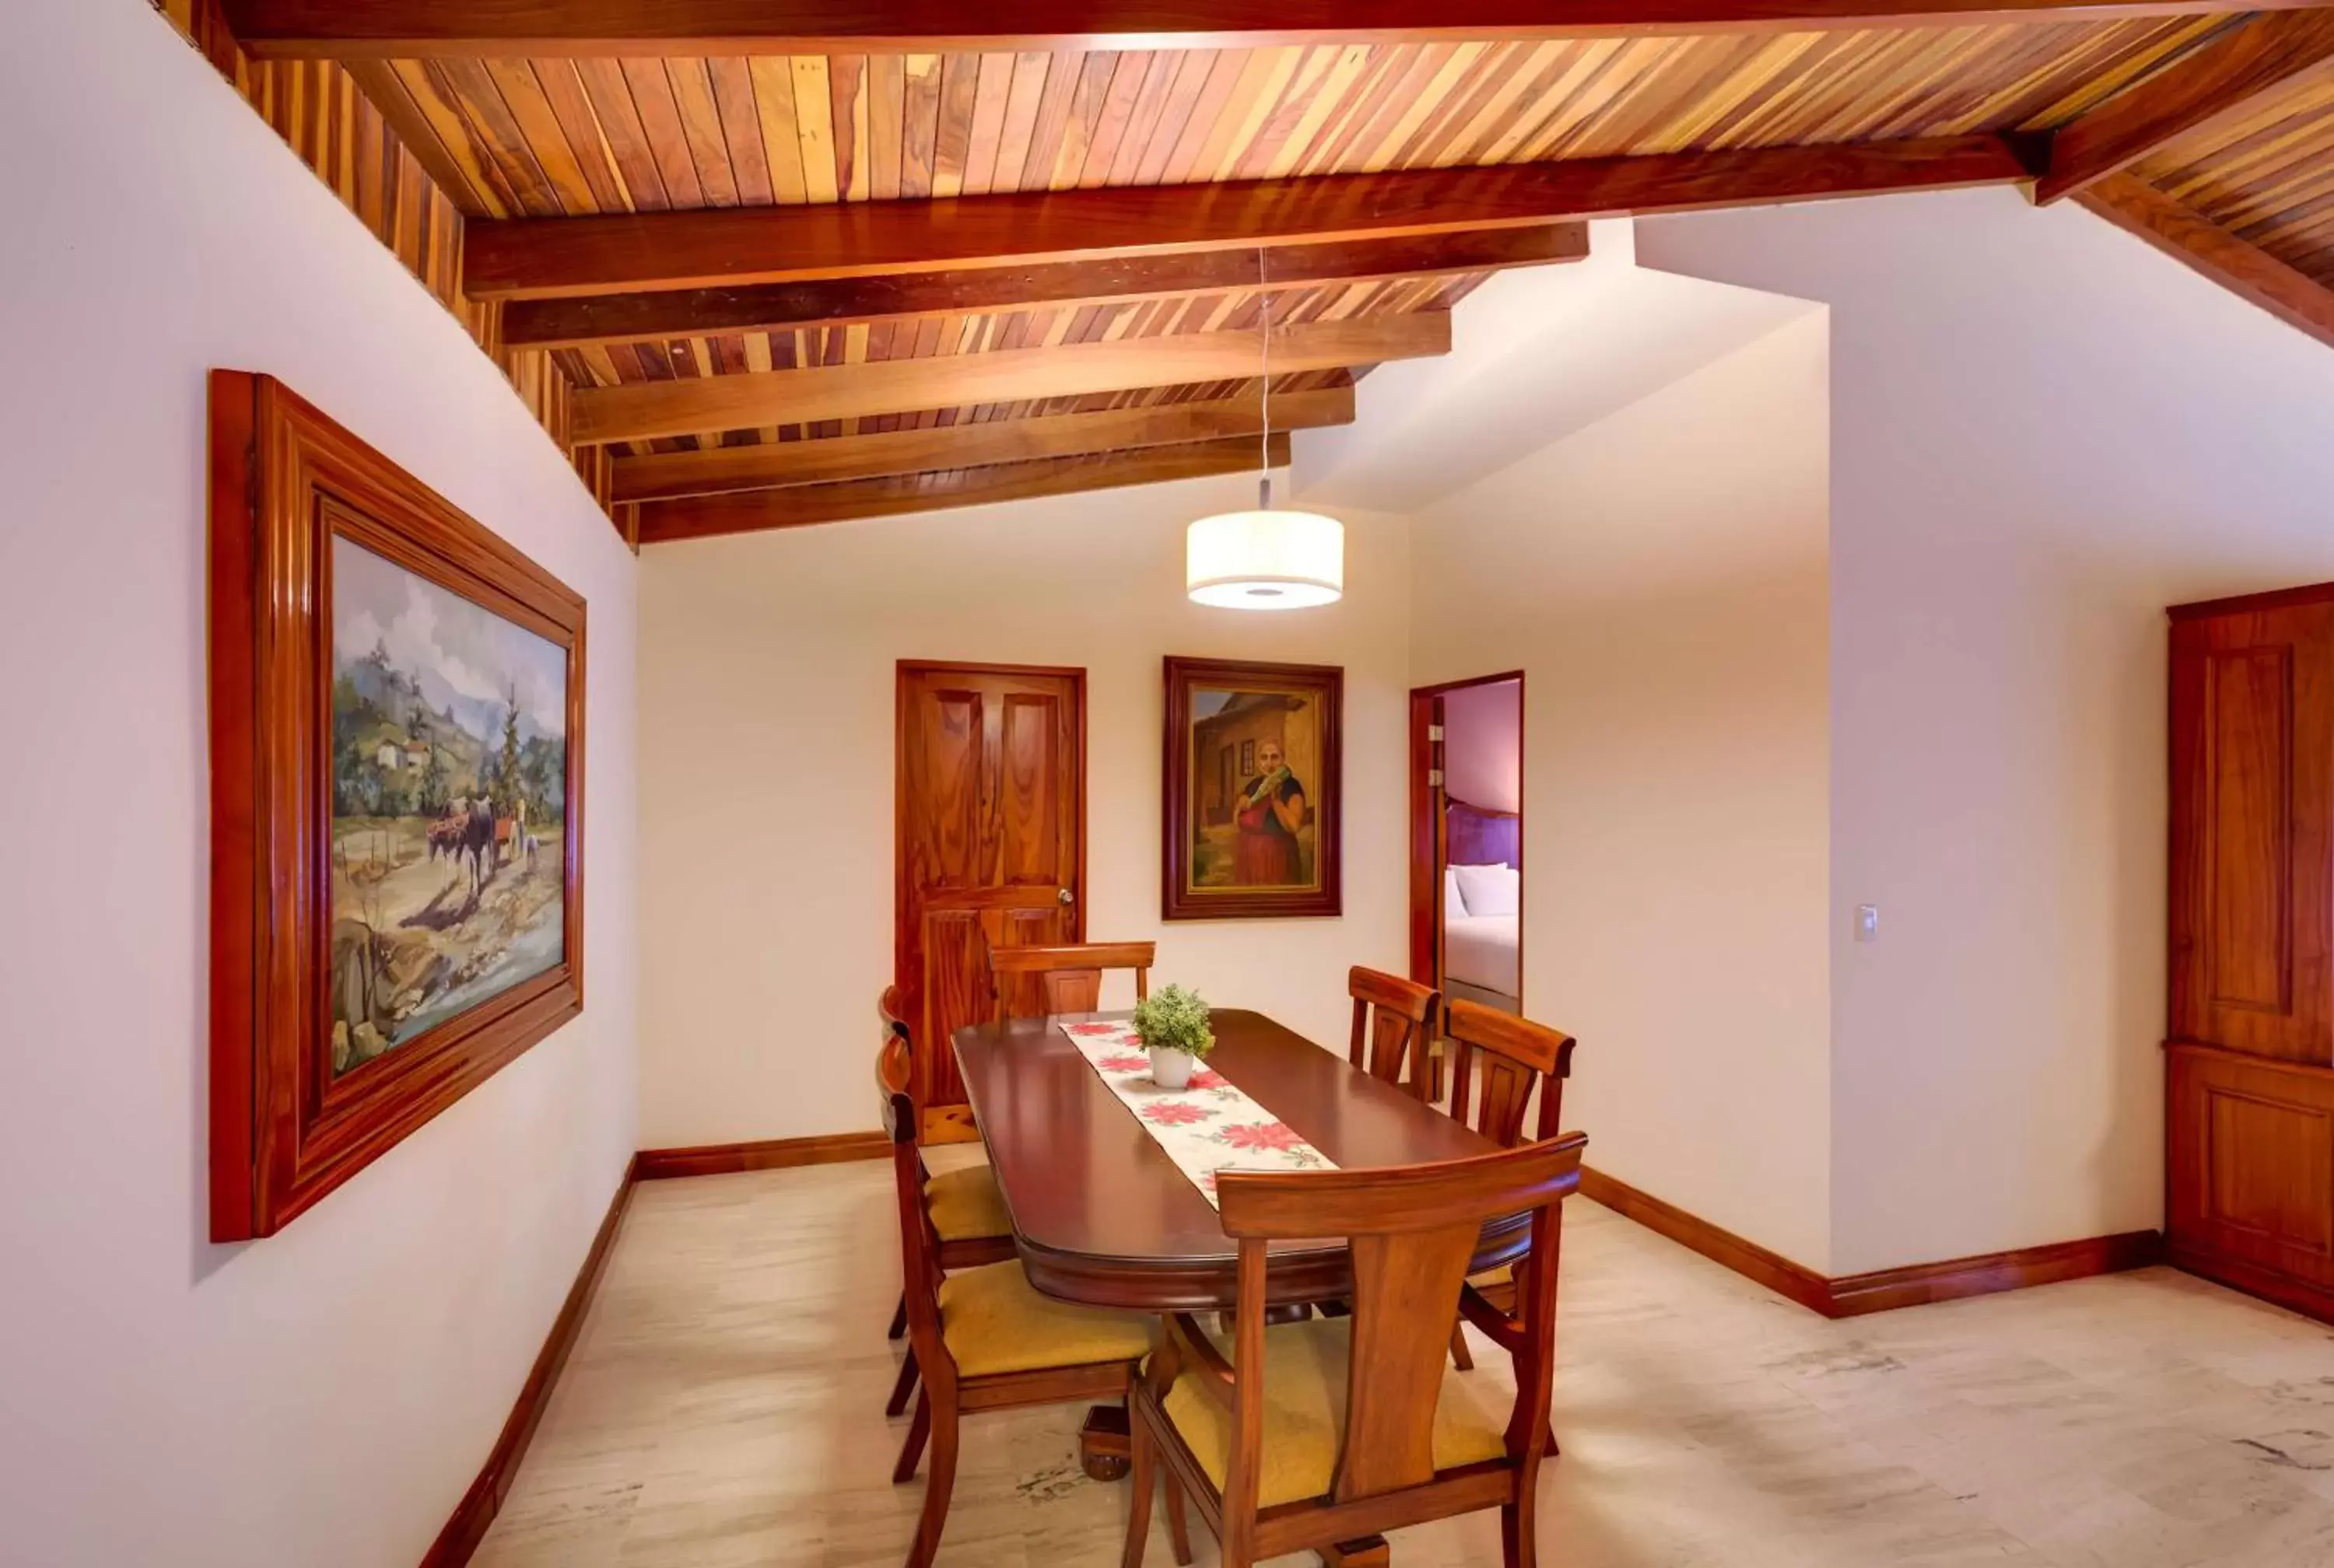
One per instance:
[(724, 1407)]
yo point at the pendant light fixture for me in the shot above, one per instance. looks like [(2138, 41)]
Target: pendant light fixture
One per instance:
[(1268, 559)]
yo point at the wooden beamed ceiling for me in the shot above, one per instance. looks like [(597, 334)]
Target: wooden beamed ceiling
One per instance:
[(800, 262), (381, 29)]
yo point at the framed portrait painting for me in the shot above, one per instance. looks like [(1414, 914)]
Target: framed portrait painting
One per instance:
[(1252, 792), (397, 804)]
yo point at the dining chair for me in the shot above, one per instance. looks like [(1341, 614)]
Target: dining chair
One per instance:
[(966, 1209), (983, 1336), (1038, 982), (1319, 1435), (1391, 1017), (1498, 1061)]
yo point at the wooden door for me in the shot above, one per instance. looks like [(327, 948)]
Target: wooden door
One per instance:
[(990, 848), (2250, 1091), (2253, 781)]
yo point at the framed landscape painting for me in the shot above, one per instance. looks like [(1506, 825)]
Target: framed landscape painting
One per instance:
[(397, 703), (1252, 792)]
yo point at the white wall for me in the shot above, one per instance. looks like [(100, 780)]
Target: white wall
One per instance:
[(323, 1396), (1660, 578), (2043, 432), (766, 699), (1483, 745)]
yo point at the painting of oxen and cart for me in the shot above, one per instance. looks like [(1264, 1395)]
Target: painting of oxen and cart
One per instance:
[(449, 778)]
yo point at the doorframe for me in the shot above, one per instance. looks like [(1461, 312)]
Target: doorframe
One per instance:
[(903, 670), (1426, 843)]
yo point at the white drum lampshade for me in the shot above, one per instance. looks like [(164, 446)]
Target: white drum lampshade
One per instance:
[(1265, 559)]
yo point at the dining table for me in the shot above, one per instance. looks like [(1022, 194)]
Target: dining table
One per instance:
[(1103, 1217)]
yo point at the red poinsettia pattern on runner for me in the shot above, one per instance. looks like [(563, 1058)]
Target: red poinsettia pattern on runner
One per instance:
[(1209, 1125), (1262, 1135), (1177, 1113)]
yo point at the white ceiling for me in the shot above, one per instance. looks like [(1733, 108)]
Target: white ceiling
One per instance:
[(1536, 353)]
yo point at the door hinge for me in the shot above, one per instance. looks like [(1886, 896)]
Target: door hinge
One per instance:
[(1434, 732), (1434, 778)]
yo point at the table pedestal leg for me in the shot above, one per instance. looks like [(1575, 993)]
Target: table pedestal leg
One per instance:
[(1369, 1552), (1103, 1451)]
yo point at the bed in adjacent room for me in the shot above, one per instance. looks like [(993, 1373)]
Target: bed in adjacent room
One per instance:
[(1483, 898)]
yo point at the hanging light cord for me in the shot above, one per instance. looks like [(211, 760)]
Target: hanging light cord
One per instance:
[(1264, 443)]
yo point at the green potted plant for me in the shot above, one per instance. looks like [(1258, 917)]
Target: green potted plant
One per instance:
[(1173, 1028)]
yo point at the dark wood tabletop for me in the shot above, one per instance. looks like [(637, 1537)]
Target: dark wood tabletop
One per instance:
[(1102, 1215)]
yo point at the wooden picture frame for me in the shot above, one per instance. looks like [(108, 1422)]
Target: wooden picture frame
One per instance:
[(1227, 853), (293, 1113)]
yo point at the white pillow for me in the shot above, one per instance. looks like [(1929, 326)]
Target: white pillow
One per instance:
[(1454, 906), (1489, 889)]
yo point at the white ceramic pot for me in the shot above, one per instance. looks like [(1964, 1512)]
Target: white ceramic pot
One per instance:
[(1171, 1069)]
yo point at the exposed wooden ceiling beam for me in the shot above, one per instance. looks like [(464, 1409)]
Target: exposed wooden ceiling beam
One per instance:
[(2180, 231), (644, 411), (2254, 56), (799, 505), (539, 258), (403, 29), (836, 458), (560, 323)]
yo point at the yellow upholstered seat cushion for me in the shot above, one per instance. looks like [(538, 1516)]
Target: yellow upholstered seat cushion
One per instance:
[(994, 1320), (965, 1206), (1503, 1275), (1305, 1370)]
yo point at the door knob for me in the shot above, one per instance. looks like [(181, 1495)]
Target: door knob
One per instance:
[(1062, 896)]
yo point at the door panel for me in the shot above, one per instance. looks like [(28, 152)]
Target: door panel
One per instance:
[(991, 838), (2248, 706), (2252, 1163), (1029, 827), (2253, 764)]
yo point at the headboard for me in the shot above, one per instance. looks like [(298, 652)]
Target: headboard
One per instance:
[(1477, 836)]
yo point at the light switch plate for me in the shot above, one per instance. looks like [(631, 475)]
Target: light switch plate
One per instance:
[(1867, 922)]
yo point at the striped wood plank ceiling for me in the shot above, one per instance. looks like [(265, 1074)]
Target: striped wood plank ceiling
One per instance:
[(554, 137), (561, 137), (2206, 132), (2266, 175)]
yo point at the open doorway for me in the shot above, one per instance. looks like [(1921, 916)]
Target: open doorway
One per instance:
[(1467, 839)]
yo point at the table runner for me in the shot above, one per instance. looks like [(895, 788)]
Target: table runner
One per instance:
[(1211, 1126)]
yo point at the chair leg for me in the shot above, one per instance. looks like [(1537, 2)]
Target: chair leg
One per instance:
[(938, 1485), (1144, 1458), (898, 1322), (1518, 1530), (1179, 1523), (913, 1449), (1458, 1351), (904, 1386)]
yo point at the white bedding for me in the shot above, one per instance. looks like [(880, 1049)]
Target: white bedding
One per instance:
[(1481, 951)]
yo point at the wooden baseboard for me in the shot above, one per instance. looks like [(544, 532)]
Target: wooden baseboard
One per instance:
[(770, 1154), (1917, 1285), (1778, 1274), (477, 1510), (1883, 1290)]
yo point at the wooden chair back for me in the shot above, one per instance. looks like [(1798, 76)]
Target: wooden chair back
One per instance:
[(1498, 1059), (919, 1243), (1413, 1231), (1038, 982), (1390, 1015)]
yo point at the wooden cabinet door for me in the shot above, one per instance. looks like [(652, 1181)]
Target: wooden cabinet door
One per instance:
[(990, 848), (2251, 1195), (2253, 789)]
